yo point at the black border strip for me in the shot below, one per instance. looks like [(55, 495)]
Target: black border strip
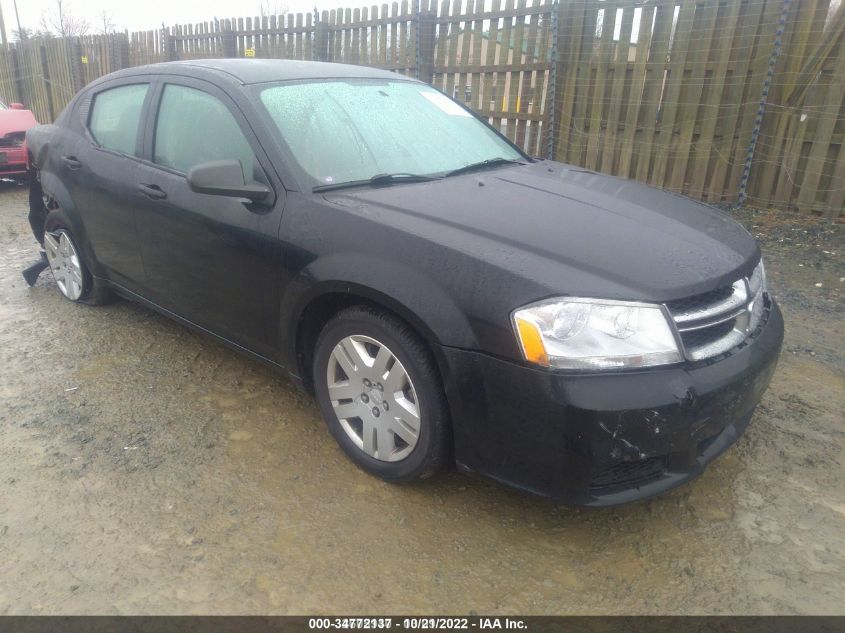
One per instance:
[(518, 624)]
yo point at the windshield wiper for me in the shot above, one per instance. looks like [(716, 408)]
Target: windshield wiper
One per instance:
[(485, 164), (379, 180)]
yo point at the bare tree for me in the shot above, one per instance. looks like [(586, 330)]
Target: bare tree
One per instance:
[(24, 33), (61, 20), (105, 23), (21, 34), (272, 7)]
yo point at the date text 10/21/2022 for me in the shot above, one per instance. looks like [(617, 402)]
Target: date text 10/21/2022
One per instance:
[(419, 623)]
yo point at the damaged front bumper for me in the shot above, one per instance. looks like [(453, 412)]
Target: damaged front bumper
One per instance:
[(13, 162), (604, 439)]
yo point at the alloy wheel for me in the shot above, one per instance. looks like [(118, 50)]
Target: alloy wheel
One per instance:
[(64, 263), (374, 398)]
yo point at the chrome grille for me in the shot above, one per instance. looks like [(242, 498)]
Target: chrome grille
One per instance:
[(713, 323)]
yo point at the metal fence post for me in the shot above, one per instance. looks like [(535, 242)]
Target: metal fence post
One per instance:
[(761, 108)]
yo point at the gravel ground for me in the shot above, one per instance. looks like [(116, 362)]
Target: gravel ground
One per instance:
[(146, 469)]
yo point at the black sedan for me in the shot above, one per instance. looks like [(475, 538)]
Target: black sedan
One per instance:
[(447, 298)]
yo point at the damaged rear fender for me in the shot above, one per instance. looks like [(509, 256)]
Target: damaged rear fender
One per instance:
[(46, 184)]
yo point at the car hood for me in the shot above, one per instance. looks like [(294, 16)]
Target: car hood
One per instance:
[(16, 121), (573, 231)]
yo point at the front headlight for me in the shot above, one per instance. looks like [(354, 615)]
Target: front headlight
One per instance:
[(757, 280), (576, 333)]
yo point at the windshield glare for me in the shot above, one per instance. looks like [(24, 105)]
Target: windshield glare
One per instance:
[(340, 131)]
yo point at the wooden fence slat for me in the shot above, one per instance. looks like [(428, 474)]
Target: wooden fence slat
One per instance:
[(514, 49), (572, 21), (475, 61), (489, 87), (726, 23), (620, 66), (635, 95), (734, 98), (523, 130), (825, 107), (599, 101), (679, 53), (691, 95), (675, 108), (505, 79), (796, 41), (653, 86)]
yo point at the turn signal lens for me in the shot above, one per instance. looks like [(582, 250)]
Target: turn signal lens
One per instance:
[(532, 342)]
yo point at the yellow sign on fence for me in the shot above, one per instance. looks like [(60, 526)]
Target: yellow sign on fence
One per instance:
[(84, 59), (250, 52)]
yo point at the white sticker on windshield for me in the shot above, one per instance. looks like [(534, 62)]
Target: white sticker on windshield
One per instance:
[(444, 103)]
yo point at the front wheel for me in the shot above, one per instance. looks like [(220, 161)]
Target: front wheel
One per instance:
[(379, 392)]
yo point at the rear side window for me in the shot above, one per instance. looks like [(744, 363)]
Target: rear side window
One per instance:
[(194, 127), (115, 115)]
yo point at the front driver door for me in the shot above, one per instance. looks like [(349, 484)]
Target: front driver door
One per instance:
[(209, 259)]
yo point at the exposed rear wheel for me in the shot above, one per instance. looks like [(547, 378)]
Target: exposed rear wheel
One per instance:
[(72, 276), (65, 264), (379, 392)]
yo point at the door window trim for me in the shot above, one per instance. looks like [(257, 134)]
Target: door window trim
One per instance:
[(142, 119), (151, 120)]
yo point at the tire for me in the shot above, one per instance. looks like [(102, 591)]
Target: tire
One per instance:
[(75, 272), (384, 410)]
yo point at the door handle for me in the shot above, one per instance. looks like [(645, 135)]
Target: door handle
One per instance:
[(152, 191), (71, 162)]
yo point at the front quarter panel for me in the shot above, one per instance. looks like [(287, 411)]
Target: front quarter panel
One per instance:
[(331, 251)]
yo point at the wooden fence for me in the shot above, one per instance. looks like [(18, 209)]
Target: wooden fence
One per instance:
[(724, 100)]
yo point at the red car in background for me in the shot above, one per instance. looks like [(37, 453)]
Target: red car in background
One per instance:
[(15, 120)]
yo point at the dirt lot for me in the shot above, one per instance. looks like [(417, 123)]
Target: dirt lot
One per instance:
[(146, 469)]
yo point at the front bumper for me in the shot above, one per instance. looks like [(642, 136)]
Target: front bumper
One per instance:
[(12, 161), (604, 439)]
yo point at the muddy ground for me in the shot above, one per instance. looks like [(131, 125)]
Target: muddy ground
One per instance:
[(146, 469)]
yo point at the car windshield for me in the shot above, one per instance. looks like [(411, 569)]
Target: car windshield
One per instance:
[(351, 130)]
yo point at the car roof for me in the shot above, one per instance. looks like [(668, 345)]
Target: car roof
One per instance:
[(251, 71)]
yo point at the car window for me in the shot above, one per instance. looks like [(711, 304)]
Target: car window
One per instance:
[(353, 129), (194, 127), (115, 115)]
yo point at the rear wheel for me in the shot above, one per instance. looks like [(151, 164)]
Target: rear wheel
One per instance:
[(65, 264), (379, 392), (72, 276)]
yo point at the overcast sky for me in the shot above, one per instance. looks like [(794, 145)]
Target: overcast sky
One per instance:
[(137, 15)]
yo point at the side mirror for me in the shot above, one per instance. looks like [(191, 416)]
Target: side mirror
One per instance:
[(225, 178), (16, 106)]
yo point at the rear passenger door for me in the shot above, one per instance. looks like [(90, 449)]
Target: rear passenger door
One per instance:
[(101, 174), (209, 259)]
